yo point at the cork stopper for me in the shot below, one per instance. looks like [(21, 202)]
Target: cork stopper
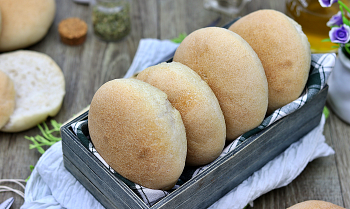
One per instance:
[(72, 31)]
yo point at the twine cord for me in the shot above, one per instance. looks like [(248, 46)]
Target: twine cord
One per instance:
[(9, 189)]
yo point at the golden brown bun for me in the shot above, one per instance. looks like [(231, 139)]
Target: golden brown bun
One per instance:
[(138, 133), (234, 73), (7, 98), (198, 106), (25, 22), (283, 49), (315, 204)]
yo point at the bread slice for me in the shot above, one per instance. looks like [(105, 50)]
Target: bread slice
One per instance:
[(39, 85), (137, 131), (198, 106), (7, 98)]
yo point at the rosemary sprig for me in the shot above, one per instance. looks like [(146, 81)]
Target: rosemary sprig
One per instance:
[(47, 138)]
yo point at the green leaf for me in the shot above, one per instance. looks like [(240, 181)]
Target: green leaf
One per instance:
[(342, 5), (326, 112), (48, 138), (326, 40), (31, 167), (179, 39)]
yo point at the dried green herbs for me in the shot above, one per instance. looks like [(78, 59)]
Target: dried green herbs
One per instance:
[(111, 19)]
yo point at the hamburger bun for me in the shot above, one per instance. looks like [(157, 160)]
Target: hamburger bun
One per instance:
[(198, 106), (315, 204), (284, 52), (233, 71), (39, 85), (7, 98), (138, 132), (25, 22)]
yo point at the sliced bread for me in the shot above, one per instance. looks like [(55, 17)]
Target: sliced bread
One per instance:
[(39, 85)]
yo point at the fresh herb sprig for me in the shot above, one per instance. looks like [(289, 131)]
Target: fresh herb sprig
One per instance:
[(48, 138), (31, 167), (180, 38)]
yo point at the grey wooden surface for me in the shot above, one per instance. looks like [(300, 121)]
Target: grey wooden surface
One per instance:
[(88, 66)]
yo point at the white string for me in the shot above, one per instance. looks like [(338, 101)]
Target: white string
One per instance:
[(9, 189), (17, 181)]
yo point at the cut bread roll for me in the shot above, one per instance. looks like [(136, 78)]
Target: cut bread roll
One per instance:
[(39, 85), (198, 106), (25, 22), (7, 98), (137, 131), (283, 49), (233, 71), (315, 204)]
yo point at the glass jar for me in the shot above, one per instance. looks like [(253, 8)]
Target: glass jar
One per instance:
[(313, 19), (229, 8), (111, 19)]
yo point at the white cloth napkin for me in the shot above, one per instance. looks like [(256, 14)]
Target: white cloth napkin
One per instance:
[(52, 186), (151, 52)]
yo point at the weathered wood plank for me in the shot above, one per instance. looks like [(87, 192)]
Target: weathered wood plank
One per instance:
[(340, 139)]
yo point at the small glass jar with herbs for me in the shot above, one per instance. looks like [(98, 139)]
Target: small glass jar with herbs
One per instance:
[(111, 19)]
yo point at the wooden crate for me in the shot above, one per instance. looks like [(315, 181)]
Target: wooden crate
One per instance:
[(208, 186)]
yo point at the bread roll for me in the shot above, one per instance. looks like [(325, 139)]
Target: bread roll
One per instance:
[(198, 106), (7, 98), (39, 85), (25, 22), (138, 132), (315, 204), (283, 49), (234, 73)]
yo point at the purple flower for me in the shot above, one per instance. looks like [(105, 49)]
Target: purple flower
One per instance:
[(336, 20), (327, 3), (340, 35)]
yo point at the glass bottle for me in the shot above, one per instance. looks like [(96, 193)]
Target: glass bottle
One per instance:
[(111, 19), (313, 19)]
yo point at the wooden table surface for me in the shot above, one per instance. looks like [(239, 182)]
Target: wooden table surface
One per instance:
[(90, 65)]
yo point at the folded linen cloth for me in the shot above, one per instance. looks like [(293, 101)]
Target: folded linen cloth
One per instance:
[(151, 52)]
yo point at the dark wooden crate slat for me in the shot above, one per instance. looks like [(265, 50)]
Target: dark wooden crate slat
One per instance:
[(195, 189), (87, 183), (226, 182), (306, 117), (109, 193), (83, 157)]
